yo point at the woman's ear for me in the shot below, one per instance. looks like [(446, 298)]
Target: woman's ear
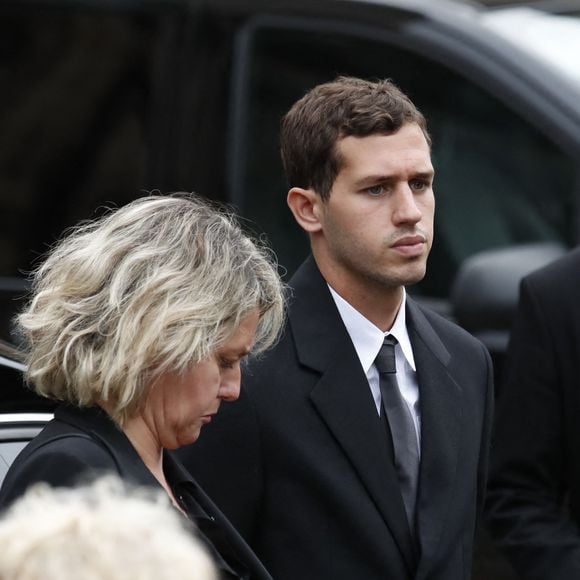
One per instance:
[(305, 204)]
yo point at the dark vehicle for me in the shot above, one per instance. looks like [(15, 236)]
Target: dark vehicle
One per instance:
[(104, 99), (17, 428)]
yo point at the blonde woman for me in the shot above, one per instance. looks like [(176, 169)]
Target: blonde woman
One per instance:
[(138, 323)]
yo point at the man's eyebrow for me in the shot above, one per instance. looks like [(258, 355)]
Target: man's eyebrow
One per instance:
[(370, 179), (382, 177), (424, 174)]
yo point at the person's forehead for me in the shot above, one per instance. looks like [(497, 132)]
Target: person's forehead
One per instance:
[(406, 145), (409, 130)]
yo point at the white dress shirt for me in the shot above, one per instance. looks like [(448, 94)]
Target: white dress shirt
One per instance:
[(368, 339)]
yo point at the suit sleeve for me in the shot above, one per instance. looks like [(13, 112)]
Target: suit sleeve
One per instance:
[(226, 462), (64, 462), (525, 510), (483, 466)]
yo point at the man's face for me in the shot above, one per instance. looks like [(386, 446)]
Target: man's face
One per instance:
[(377, 226)]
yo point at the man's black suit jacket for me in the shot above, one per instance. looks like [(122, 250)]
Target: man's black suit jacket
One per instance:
[(302, 465), (81, 444), (534, 494)]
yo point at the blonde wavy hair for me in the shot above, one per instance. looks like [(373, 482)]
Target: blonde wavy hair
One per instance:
[(101, 531), (152, 287)]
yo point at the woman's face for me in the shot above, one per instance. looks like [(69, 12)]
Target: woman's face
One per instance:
[(179, 405)]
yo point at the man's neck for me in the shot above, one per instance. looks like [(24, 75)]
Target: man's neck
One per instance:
[(375, 301)]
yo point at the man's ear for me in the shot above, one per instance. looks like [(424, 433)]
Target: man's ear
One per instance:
[(306, 205)]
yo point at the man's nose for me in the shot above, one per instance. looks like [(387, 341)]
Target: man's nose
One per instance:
[(406, 209)]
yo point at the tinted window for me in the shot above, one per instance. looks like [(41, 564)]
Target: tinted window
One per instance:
[(73, 116), (15, 396), (74, 93), (498, 182)]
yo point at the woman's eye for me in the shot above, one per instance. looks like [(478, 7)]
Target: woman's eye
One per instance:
[(227, 363)]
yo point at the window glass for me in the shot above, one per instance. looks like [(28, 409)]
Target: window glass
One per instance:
[(498, 180), (73, 112), (75, 90), (15, 396)]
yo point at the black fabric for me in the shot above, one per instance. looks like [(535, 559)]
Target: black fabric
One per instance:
[(81, 444), (533, 508), (213, 535), (316, 496)]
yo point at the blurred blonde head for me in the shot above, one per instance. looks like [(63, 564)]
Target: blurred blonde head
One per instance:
[(152, 287), (104, 531)]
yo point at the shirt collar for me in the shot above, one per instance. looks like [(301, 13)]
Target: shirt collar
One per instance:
[(368, 338)]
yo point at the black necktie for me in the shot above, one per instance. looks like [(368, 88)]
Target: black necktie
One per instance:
[(401, 424)]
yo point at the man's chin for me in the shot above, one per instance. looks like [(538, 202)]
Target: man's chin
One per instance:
[(411, 275), (414, 279)]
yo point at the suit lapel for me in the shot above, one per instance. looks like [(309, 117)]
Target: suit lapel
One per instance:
[(343, 399), (213, 523), (441, 412)]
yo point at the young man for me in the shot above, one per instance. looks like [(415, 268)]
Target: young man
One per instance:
[(338, 463)]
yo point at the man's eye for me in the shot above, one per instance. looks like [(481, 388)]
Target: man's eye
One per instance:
[(375, 189), (419, 184)]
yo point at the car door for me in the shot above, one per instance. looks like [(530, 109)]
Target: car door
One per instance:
[(506, 151)]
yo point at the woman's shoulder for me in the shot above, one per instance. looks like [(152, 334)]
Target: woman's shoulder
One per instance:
[(73, 435), (67, 445), (61, 455)]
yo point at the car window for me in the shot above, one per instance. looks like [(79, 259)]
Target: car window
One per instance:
[(553, 38), (75, 94), (8, 452), (16, 430), (499, 181), (75, 116), (15, 396)]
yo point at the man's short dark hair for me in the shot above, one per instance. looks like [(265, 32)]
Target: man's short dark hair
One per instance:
[(343, 107)]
